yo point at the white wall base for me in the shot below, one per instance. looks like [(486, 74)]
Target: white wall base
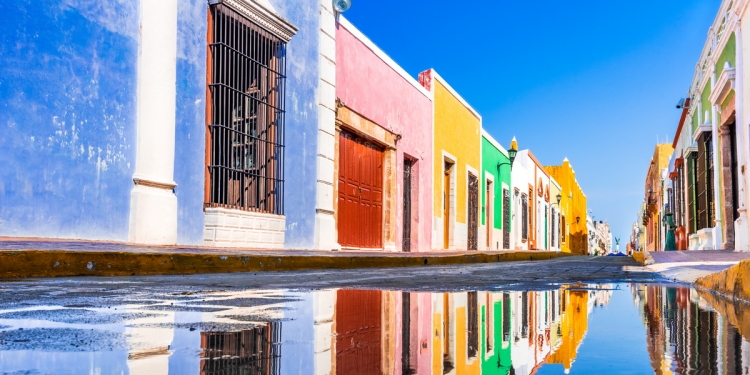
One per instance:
[(153, 216), (693, 242), (235, 228), (741, 240), (706, 240), (323, 312), (326, 237)]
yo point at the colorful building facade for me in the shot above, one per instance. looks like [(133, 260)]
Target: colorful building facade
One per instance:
[(706, 191), (531, 203), (383, 127), (574, 233), (495, 225), (457, 163)]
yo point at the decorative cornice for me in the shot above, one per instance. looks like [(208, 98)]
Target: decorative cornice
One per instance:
[(723, 86), (700, 130), (260, 14), (154, 184)]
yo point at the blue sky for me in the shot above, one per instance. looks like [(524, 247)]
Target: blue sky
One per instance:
[(594, 81)]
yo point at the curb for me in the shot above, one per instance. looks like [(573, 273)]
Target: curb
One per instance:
[(643, 257), (57, 263), (733, 282)]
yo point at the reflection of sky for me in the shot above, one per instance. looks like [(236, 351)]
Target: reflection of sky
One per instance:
[(182, 358), (185, 345), (615, 342), (297, 335)]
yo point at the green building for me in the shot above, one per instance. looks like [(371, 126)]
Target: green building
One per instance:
[(494, 233)]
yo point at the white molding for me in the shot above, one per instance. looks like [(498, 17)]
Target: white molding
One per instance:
[(552, 181), (489, 176), (225, 227), (263, 16), (448, 155), (382, 55), (714, 45), (700, 130), (494, 142), (435, 76), (723, 86)]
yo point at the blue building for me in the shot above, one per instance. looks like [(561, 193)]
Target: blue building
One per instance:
[(168, 122)]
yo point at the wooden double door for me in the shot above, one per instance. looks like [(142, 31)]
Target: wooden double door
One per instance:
[(360, 192), (358, 332)]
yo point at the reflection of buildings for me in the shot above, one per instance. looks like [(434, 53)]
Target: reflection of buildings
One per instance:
[(685, 335), (254, 351)]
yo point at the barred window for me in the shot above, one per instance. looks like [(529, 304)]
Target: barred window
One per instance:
[(524, 217), (246, 75)]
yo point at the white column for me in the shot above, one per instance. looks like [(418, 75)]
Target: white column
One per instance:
[(741, 229), (326, 237), (324, 306), (718, 236), (153, 204)]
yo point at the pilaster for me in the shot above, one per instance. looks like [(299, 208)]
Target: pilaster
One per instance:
[(153, 204), (725, 140), (326, 237)]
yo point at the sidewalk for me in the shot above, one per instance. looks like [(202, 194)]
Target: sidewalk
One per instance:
[(688, 266), (29, 257)]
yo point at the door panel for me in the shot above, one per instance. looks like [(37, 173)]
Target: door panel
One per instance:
[(358, 332), (506, 219), (488, 214), (446, 206), (473, 224), (406, 232), (360, 210)]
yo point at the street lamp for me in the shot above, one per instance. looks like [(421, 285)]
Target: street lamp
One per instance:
[(512, 152)]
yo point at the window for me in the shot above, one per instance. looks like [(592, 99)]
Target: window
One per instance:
[(524, 217), (563, 231), (473, 323), (705, 171), (245, 114), (692, 193)]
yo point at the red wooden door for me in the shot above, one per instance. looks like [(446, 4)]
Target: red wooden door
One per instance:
[(358, 332), (360, 210)]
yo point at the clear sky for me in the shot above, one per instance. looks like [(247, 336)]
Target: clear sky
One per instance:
[(594, 81)]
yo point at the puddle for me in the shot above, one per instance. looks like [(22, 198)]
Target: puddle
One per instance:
[(623, 328)]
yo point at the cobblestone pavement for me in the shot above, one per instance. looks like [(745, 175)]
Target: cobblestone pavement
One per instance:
[(101, 291)]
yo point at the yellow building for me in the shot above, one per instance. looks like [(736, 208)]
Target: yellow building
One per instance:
[(574, 324), (457, 162), (654, 196), (573, 208)]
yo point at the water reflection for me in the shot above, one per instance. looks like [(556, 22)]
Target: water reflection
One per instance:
[(623, 328)]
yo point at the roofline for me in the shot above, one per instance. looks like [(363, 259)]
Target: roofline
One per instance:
[(685, 110), (495, 143), (382, 55), (445, 83), (538, 164)]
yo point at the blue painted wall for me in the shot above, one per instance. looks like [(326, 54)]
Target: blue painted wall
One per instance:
[(190, 126), (301, 120), (67, 114), (67, 110)]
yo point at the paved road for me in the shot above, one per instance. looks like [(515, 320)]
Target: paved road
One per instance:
[(104, 291)]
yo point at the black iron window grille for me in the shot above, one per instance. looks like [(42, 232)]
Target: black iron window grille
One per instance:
[(506, 219), (524, 217), (245, 114), (692, 193), (705, 171), (255, 351)]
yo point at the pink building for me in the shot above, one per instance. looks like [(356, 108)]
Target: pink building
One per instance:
[(383, 166)]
